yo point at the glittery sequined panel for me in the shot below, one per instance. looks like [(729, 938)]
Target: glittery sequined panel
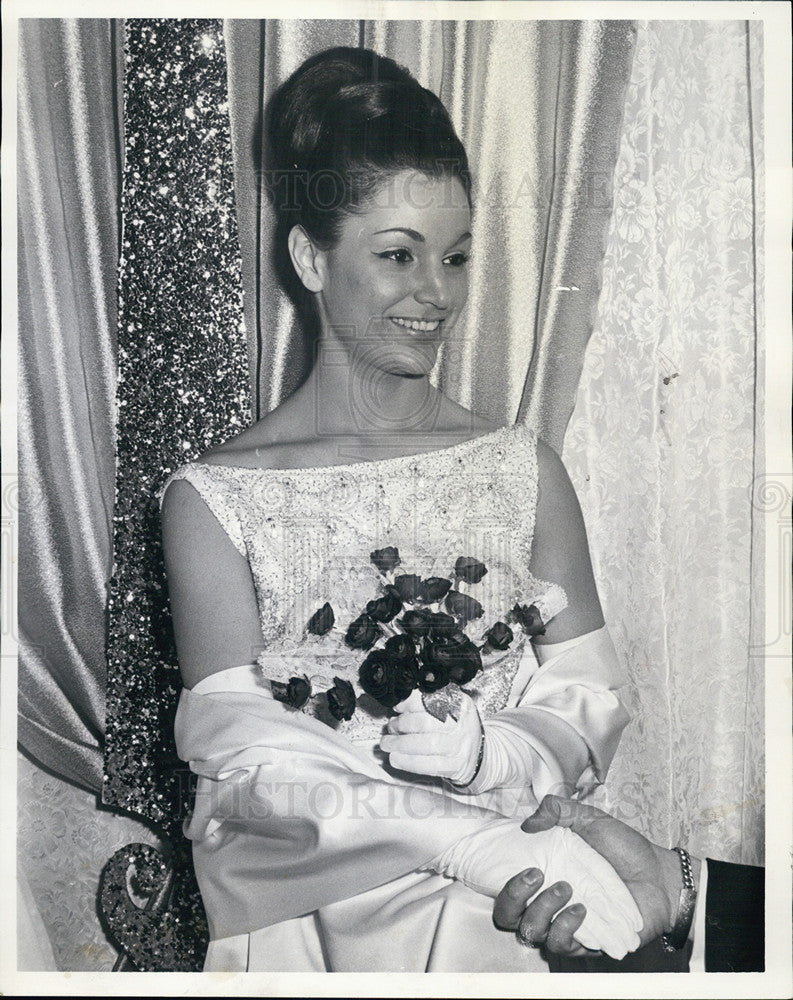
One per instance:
[(183, 375)]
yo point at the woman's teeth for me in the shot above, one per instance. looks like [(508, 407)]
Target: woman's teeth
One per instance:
[(417, 325)]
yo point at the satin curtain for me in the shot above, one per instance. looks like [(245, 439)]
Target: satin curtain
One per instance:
[(539, 106), (69, 156), (663, 446)]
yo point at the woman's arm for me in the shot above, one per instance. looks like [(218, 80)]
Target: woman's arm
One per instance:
[(565, 729), (212, 595), (560, 552)]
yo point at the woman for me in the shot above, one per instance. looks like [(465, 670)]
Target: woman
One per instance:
[(355, 810)]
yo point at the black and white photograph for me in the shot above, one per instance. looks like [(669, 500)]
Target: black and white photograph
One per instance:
[(397, 498)]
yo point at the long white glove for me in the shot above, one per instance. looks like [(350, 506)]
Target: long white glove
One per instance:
[(421, 744), (507, 758), (563, 733), (487, 859)]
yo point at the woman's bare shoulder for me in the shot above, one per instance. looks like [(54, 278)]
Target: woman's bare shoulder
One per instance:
[(453, 417), (551, 469), (254, 446)]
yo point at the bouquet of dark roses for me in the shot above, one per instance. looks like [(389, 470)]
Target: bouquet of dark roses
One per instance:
[(414, 634)]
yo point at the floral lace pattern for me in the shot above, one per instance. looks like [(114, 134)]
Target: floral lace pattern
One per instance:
[(308, 533), (63, 843), (660, 446)]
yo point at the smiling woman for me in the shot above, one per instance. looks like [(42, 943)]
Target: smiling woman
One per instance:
[(394, 282), (349, 801), (372, 192)]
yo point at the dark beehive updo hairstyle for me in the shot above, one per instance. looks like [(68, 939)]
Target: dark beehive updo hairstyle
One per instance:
[(340, 126)]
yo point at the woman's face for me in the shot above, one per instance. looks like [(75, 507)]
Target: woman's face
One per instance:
[(397, 278)]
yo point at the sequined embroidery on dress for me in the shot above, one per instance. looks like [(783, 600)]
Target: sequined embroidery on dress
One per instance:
[(307, 534)]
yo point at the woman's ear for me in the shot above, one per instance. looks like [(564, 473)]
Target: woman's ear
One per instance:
[(307, 259)]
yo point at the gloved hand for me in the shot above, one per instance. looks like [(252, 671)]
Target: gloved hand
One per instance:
[(481, 860), (419, 743)]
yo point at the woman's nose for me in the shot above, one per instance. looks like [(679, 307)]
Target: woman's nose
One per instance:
[(433, 288)]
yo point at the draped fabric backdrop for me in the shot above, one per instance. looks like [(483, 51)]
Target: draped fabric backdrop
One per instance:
[(539, 107), (69, 152), (662, 443)]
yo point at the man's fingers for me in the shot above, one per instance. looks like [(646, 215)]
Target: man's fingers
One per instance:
[(556, 811), (560, 940), (535, 922), (547, 815), (511, 901)]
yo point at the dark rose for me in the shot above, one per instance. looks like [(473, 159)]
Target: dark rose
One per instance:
[(295, 693), (321, 621), (499, 636), (415, 623), (400, 647), (385, 559), (374, 674), (433, 589), (409, 586), (456, 654), (362, 633), (383, 609), (441, 624), (386, 678), (433, 678), (341, 700), (469, 569), (528, 617), (463, 606)]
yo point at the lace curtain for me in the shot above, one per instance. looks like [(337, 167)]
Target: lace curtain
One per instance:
[(662, 443)]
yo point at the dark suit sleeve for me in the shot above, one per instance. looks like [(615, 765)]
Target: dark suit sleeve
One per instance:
[(735, 918)]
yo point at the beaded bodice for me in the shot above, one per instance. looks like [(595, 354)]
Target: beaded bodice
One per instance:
[(308, 533)]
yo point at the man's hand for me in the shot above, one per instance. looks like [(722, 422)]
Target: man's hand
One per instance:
[(651, 873)]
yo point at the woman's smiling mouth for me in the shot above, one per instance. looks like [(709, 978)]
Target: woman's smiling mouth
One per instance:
[(416, 325)]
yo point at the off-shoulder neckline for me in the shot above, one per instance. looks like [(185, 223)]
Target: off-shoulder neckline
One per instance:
[(394, 460)]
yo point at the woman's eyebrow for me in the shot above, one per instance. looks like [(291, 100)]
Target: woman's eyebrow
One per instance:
[(401, 229), (417, 236)]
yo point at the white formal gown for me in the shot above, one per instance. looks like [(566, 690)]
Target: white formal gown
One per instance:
[(310, 851)]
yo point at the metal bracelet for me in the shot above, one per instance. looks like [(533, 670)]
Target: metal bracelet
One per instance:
[(479, 759), (677, 937)]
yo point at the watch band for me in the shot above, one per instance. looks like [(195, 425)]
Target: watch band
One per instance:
[(677, 937)]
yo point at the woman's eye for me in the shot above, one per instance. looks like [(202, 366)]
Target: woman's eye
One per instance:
[(401, 256), (457, 259)]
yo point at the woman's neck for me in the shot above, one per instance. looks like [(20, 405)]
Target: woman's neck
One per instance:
[(357, 400)]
